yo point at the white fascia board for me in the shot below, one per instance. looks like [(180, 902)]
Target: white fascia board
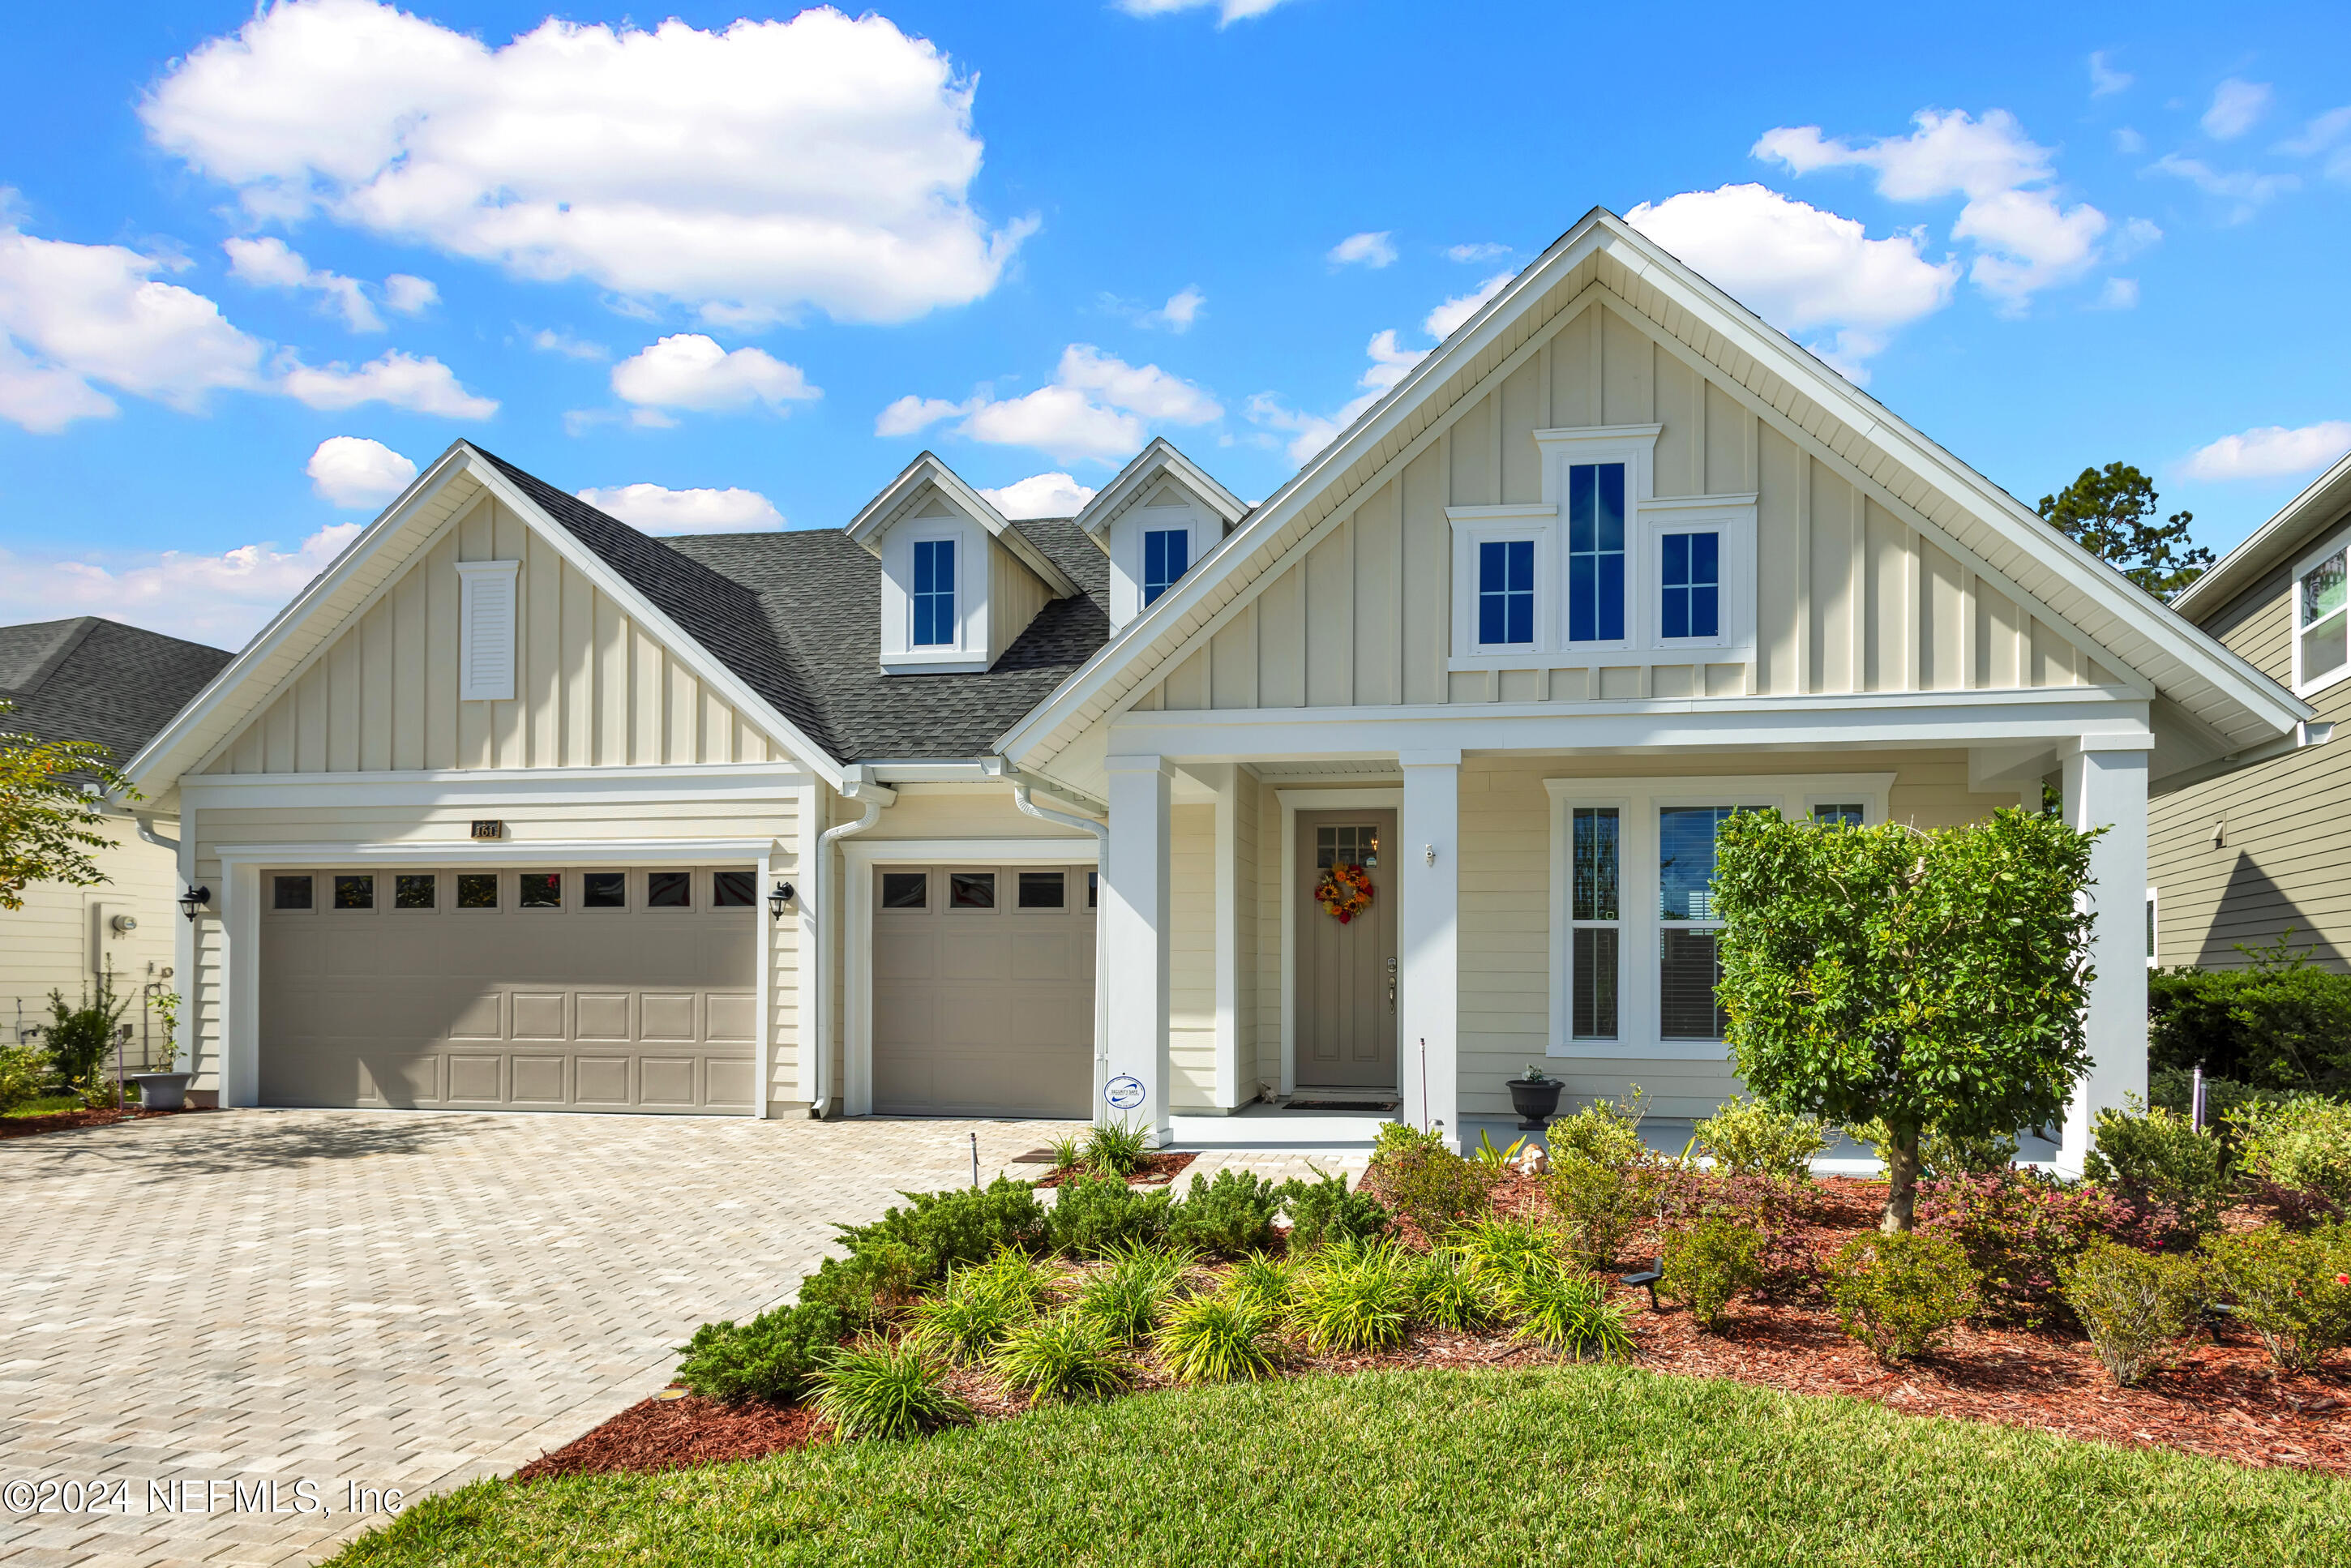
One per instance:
[(691, 652), (1161, 456), (146, 769), (1029, 851), (500, 852), (876, 516), (2110, 720), (746, 782), (2318, 507)]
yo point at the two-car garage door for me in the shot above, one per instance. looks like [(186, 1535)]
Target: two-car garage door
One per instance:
[(586, 989)]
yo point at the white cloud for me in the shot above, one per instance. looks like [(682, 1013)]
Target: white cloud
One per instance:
[(218, 599), (2028, 243), (406, 294), (1227, 11), (2236, 105), (1041, 496), (1310, 432), (1366, 249), (2271, 452), (657, 510), (1803, 270), (822, 161), (557, 341), (76, 317), (1486, 251), (688, 370), (2326, 133), (352, 471), (1183, 308), (2249, 192), (2128, 141), (2119, 294), (1098, 407), (420, 385), (270, 262), (1442, 321), (2104, 79)]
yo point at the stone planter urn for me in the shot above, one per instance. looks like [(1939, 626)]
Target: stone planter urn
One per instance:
[(1536, 1100), (169, 1091)]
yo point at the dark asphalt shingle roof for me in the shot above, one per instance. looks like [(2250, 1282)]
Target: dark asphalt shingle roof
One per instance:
[(797, 616), (91, 679)]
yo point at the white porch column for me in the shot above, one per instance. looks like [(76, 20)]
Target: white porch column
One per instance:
[(1133, 912), (2108, 790), (1428, 884)]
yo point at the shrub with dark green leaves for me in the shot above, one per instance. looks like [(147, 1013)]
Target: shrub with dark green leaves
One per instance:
[(2302, 1145), (2284, 1022), (1600, 1206), (1226, 1217), (2294, 1290), (881, 1391), (1066, 1357), (909, 1250), (24, 1072), (1095, 1214), (1218, 1339), (1433, 1188), (1901, 1293), (1392, 1138), (2018, 1229), (79, 1038), (1747, 1137), (2155, 1159), (1710, 1264), (1325, 1210), (771, 1359), (2135, 1304)]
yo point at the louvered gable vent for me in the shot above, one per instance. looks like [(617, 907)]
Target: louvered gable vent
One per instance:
[(486, 616)]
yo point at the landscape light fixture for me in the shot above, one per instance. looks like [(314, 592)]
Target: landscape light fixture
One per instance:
[(191, 903)]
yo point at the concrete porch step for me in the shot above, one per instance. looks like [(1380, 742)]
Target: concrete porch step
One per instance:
[(1264, 1128)]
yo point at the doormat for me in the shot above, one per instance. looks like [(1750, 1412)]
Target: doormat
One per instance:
[(1380, 1105), (1033, 1158)]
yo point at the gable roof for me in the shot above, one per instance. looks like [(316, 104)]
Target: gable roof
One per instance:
[(2321, 506), (928, 473), (92, 679), (1134, 480), (2091, 603)]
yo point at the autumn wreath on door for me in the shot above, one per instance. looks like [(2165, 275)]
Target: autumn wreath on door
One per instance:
[(1344, 891)]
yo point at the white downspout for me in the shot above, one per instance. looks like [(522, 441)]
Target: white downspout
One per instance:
[(146, 821), (857, 785), (1101, 831)]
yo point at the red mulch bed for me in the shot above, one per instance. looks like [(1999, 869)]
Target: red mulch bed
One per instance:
[(1156, 1170), (671, 1434), (62, 1120)]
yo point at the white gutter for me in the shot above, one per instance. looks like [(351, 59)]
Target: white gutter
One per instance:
[(1101, 831), (146, 821), (856, 784)]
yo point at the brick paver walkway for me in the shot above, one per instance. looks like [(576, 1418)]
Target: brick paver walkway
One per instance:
[(383, 1299)]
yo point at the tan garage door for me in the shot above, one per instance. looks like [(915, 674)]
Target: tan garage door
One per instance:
[(983, 990), (591, 990)]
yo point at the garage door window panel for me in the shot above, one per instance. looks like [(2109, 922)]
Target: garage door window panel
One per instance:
[(669, 890), (355, 892), (971, 891), (290, 894), (477, 890), (540, 890), (415, 891), (605, 890), (905, 890), (1046, 892), (733, 890)]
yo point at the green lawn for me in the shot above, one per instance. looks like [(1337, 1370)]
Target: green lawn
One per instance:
[(43, 1105), (1496, 1469)]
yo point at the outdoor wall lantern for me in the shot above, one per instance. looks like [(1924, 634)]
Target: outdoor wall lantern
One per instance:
[(191, 903), (779, 899)]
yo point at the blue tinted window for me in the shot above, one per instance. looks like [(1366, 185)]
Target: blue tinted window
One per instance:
[(935, 594), (1691, 569), (1595, 552), (1506, 591), (1167, 554)]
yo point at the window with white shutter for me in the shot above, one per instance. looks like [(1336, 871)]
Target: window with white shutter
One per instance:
[(485, 622)]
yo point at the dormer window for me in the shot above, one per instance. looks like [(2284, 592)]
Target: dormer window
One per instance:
[(2322, 613), (933, 595), (1167, 556)]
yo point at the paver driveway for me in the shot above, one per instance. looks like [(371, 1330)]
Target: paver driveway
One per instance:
[(390, 1299)]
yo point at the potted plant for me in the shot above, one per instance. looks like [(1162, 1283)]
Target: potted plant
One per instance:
[(165, 1090), (1535, 1097)]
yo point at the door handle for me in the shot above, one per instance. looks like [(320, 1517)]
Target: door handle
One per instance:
[(1392, 977)]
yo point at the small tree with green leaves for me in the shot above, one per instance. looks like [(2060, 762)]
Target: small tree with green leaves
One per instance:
[(2106, 511), (49, 823), (1919, 979)]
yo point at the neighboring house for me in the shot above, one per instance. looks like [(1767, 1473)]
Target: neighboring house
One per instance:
[(516, 807), (2245, 850), (87, 679)]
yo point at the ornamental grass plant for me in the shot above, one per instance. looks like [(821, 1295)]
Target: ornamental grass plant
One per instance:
[(887, 1392), (1261, 1282), (1065, 1356), (1565, 1310), (1126, 1299), (968, 1318), (1353, 1299), (1448, 1294), (1218, 1338)]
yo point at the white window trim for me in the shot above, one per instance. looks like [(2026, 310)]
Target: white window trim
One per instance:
[(968, 653), (474, 579), (2303, 687), (1203, 533), (1468, 535), (1733, 520), (1637, 801)]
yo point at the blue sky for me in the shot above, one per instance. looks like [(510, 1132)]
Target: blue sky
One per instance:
[(734, 269)]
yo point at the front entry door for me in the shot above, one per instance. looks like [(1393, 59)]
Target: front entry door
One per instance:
[(1345, 996)]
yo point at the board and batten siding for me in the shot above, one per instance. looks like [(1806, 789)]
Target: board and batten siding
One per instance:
[(592, 688), (1850, 598), (2284, 859)]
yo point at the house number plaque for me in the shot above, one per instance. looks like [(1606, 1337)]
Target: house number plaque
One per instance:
[(489, 829)]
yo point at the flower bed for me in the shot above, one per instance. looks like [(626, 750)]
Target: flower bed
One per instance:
[(65, 1120), (1155, 1170)]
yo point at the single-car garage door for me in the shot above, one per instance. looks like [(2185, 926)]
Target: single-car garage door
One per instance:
[(983, 990), (591, 989)]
